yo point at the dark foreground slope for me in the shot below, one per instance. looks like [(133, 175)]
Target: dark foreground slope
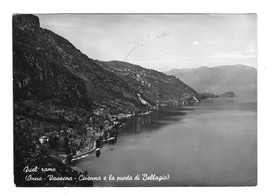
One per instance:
[(37, 72), (240, 79), (153, 85)]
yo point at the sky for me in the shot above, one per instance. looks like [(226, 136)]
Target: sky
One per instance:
[(161, 41)]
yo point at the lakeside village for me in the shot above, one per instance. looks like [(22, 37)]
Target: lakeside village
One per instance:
[(55, 136), (102, 128), (71, 144)]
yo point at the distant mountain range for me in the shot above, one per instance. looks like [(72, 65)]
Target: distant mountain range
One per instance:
[(47, 67), (240, 79)]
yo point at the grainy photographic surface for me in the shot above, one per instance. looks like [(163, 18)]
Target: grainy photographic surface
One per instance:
[(138, 100)]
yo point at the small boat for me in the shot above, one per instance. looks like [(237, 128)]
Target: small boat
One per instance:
[(98, 152)]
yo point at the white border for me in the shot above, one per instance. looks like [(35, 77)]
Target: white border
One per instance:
[(124, 6)]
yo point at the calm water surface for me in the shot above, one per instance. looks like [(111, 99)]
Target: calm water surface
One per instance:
[(213, 143)]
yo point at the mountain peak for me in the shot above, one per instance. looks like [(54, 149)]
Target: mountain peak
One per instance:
[(28, 22)]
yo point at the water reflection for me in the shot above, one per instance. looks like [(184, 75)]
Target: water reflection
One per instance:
[(155, 120)]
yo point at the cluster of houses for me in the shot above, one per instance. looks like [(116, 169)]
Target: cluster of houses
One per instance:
[(69, 140)]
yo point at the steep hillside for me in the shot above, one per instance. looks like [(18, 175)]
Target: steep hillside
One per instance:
[(39, 75), (153, 85), (240, 79), (48, 67)]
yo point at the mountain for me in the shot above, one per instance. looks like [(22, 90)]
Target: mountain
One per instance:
[(240, 79), (48, 67), (153, 85)]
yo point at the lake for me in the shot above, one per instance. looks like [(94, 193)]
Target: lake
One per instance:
[(213, 143)]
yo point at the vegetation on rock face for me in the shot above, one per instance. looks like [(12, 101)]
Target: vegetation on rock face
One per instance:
[(153, 85), (37, 74)]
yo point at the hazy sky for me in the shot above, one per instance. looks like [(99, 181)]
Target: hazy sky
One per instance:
[(161, 42)]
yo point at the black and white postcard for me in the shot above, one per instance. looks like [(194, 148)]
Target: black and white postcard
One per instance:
[(134, 100)]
